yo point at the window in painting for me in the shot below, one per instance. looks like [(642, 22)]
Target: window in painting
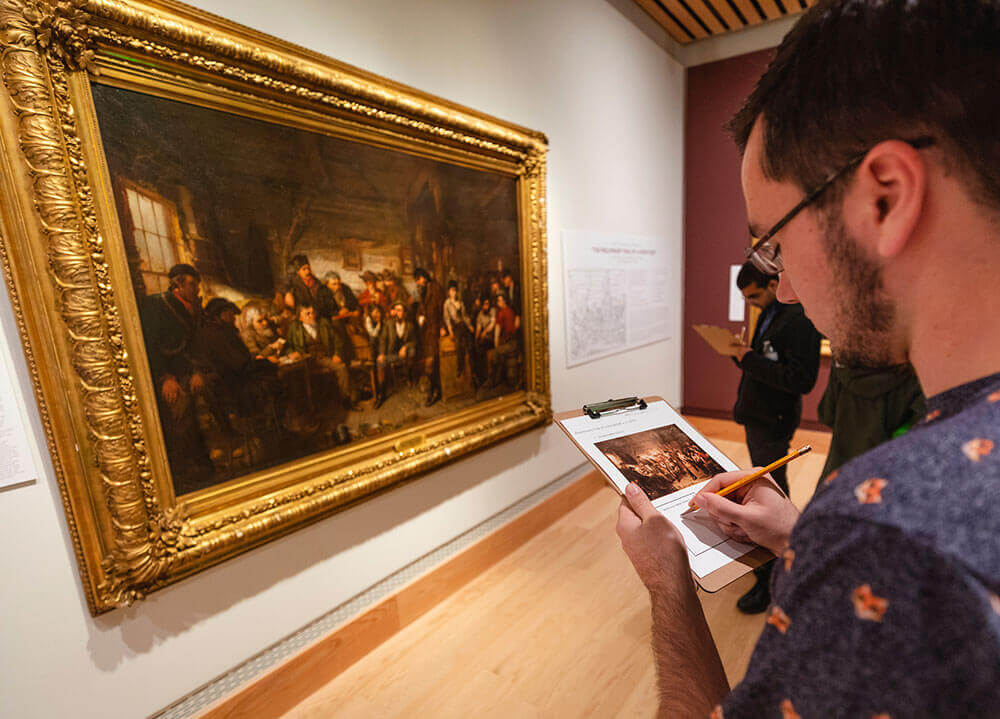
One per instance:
[(152, 222)]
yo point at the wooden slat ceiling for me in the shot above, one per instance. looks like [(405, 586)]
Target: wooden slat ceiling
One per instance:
[(690, 20)]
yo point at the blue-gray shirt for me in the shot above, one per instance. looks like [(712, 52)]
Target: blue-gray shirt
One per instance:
[(886, 603)]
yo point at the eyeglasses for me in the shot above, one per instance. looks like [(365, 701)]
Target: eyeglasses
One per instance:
[(765, 256)]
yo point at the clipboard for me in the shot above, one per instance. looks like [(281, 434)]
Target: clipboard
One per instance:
[(713, 581), (720, 339)]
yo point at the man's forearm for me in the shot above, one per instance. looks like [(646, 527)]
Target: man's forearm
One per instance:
[(690, 676)]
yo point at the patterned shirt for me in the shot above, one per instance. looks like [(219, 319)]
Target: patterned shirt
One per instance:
[(886, 602)]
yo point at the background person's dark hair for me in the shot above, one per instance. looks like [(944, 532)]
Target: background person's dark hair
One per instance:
[(749, 274), (853, 73)]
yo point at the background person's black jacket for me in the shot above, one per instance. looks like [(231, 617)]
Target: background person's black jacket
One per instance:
[(771, 390)]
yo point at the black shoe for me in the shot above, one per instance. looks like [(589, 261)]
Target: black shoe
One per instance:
[(379, 401), (758, 599)]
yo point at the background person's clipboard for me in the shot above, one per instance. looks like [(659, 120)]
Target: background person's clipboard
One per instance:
[(715, 580)]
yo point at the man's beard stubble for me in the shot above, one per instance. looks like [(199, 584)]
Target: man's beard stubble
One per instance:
[(864, 316)]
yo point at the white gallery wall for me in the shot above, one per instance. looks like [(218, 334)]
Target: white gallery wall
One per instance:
[(611, 102)]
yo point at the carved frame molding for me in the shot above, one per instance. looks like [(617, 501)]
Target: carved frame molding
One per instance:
[(130, 536)]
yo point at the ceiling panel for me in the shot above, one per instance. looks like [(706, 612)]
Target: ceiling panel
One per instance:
[(691, 20)]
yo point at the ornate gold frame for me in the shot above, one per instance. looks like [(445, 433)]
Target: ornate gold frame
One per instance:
[(67, 276)]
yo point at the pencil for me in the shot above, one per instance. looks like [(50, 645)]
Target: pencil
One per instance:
[(756, 475)]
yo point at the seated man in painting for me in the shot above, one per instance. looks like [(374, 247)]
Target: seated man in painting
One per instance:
[(484, 334), (259, 336), (313, 336), (227, 362), (398, 347), (505, 339), (169, 322), (459, 327), (345, 303)]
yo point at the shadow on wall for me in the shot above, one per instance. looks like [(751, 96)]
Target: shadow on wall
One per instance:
[(178, 608)]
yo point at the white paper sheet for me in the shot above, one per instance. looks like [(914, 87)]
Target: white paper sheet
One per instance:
[(17, 461), (616, 293), (708, 548)]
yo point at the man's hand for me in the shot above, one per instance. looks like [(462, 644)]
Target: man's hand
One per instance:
[(759, 512), (738, 350), (690, 677), (654, 546), (197, 383), (170, 390)]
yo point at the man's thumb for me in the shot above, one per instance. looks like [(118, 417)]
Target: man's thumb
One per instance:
[(639, 502)]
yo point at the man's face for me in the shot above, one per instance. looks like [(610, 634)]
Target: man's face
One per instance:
[(333, 284), (307, 315), (816, 248), (452, 292), (760, 297), (421, 281), (397, 312), (305, 272), (227, 316), (508, 281), (188, 288), (501, 302), (260, 323)]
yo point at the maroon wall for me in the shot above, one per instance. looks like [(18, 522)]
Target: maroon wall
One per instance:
[(715, 230)]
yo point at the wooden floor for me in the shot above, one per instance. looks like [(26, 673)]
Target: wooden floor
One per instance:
[(559, 628)]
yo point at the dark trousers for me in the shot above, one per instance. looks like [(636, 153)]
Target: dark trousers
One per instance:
[(766, 444)]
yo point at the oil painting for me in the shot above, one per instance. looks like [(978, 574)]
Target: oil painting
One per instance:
[(298, 292)]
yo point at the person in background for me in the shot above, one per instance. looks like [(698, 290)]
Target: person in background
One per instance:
[(376, 329), (866, 406), (504, 340), (779, 365)]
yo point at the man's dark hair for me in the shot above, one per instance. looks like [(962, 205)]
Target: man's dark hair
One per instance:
[(505, 274), (452, 283), (749, 274), (854, 73), (421, 272)]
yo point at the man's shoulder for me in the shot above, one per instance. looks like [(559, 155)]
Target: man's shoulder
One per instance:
[(932, 485)]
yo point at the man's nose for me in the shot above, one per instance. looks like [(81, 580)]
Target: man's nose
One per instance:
[(786, 293)]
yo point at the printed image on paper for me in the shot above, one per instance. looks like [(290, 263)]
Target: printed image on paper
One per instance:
[(616, 294)]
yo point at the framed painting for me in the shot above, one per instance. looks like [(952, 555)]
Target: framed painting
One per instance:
[(254, 285)]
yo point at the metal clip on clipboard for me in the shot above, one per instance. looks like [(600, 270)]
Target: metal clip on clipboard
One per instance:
[(594, 410)]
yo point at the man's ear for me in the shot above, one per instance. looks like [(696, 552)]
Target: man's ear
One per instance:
[(891, 186), (773, 286)]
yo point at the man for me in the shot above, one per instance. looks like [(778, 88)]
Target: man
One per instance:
[(304, 289), (429, 316), (394, 290), (871, 173), (397, 347), (314, 336), (505, 341), (259, 336), (170, 322), (511, 292), (370, 295), (866, 406), (779, 366), (345, 303), (485, 326), (459, 328)]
